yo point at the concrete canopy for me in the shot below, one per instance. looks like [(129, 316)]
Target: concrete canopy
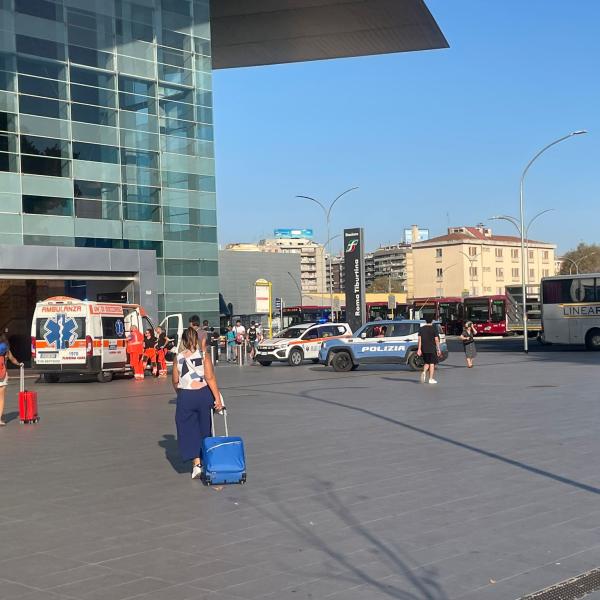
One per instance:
[(263, 32)]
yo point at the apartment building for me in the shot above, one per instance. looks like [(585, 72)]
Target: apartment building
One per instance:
[(312, 259), (338, 273), (473, 261)]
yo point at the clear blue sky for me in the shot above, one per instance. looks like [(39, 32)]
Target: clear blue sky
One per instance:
[(432, 138)]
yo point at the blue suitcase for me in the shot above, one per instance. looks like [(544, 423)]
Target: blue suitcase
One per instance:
[(223, 457)]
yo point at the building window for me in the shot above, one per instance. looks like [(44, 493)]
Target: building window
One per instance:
[(531, 255), (473, 271), (439, 273), (545, 273), (472, 251), (500, 273), (531, 274), (43, 205), (514, 253), (545, 255), (498, 252), (515, 273), (438, 253)]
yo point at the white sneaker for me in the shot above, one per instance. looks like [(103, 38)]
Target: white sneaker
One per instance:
[(432, 381), (423, 376), (197, 472)]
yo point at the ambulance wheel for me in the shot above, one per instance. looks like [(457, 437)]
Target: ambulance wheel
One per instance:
[(342, 362), (50, 378), (415, 362), (296, 357), (104, 376)]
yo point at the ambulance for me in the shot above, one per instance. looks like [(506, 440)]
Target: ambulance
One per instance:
[(88, 338)]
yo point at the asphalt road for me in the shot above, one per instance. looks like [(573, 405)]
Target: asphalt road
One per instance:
[(366, 485)]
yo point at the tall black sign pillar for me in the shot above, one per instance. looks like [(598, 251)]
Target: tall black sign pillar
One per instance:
[(354, 287)]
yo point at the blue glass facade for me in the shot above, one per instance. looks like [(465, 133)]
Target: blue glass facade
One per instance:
[(106, 135)]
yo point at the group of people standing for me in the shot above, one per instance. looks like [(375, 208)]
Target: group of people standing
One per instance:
[(150, 347), (239, 339)]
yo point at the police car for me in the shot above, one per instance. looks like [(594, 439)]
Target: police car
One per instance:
[(299, 342), (379, 342)]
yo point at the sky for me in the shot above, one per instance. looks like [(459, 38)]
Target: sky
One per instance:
[(436, 138)]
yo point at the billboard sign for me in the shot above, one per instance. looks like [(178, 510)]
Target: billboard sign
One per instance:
[(263, 296), (354, 285), (293, 233)]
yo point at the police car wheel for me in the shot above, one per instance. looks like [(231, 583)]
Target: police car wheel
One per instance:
[(415, 362), (342, 362), (295, 358)]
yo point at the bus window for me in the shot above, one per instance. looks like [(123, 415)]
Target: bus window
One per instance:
[(498, 311), (557, 291), (583, 290)]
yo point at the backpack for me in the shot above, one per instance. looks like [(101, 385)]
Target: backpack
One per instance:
[(252, 334)]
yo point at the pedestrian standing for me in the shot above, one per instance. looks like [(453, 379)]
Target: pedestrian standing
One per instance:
[(135, 349), (468, 339), (252, 335), (213, 338), (197, 391), (149, 351), (429, 348), (240, 338), (230, 344), (5, 355), (161, 351)]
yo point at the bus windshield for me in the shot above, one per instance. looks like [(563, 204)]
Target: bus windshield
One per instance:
[(478, 312), (498, 311)]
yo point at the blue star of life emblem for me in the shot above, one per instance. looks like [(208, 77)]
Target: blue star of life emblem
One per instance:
[(119, 328), (60, 331)]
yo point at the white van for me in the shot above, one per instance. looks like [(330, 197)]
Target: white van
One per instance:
[(83, 337)]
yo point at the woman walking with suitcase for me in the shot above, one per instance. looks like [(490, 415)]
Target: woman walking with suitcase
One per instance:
[(5, 355), (197, 391)]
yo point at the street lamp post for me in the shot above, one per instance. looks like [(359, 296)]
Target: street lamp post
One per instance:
[(576, 262), (327, 212), (299, 290), (522, 221), (471, 260), (330, 271)]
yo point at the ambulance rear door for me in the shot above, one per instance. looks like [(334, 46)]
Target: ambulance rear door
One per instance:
[(60, 334), (109, 335), (172, 325)]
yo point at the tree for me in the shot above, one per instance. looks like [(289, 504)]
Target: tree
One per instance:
[(586, 257), (383, 284)]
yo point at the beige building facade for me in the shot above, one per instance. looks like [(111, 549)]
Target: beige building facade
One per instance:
[(471, 261), (312, 259)]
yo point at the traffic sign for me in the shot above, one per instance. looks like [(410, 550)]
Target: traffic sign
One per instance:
[(278, 303)]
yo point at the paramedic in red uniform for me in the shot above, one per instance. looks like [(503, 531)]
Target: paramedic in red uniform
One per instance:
[(149, 351), (135, 349), (161, 351)]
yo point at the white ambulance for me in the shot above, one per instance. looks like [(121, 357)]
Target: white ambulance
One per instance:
[(83, 337)]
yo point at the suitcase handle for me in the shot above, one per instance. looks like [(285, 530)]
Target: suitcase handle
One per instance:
[(212, 421), (21, 378)]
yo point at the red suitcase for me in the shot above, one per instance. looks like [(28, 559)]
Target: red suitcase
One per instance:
[(28, 407)]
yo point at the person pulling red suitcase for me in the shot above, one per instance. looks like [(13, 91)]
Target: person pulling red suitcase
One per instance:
[(5, 355)]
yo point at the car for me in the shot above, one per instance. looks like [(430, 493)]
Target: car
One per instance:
[(379, 342), (299, 343)]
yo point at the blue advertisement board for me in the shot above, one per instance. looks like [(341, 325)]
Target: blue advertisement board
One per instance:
[(293, 233)]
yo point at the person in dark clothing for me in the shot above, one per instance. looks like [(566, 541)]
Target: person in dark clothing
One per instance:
[(161, 351), (252, 337), (213, 340), (468, 339), (149, 351), (429, 348)]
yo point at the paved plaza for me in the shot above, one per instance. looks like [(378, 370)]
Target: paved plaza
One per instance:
[(361, 486)]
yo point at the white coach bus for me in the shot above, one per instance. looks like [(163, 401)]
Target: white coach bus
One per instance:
[(571, 310)]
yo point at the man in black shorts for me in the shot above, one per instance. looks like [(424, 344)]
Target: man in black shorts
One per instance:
[(429, 348)]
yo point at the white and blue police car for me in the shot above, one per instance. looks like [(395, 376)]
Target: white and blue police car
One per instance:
[(379, 342)]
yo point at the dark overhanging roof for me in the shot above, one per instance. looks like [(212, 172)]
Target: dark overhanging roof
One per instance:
[(263, 32)]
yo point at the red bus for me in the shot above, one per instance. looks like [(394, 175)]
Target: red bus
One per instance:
[(488, 313), (448, 311)]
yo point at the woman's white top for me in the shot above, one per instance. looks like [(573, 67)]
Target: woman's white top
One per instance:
[(191, 370)]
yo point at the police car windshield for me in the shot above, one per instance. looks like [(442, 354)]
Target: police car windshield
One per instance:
[(292, 332)]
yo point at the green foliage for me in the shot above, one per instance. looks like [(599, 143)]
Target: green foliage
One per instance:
[(585, 256), (382, 284)]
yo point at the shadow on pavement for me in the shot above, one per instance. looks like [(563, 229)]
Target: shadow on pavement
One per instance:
[(442, 438), (423, 584), (169, 443)]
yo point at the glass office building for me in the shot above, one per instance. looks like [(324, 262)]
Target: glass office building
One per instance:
[(106, 136)]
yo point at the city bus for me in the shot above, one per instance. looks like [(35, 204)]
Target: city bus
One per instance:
[(571, 310), (448, 311), (488, 313)]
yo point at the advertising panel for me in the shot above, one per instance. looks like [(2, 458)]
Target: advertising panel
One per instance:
[(354, 286), (293, 233)]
